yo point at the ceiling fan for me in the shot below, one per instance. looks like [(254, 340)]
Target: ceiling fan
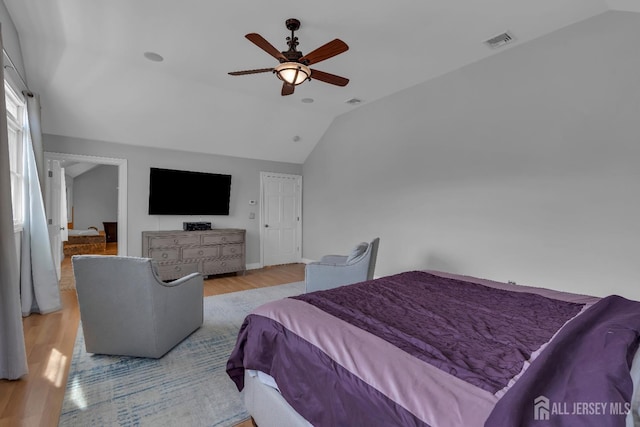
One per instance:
[(294, 66)]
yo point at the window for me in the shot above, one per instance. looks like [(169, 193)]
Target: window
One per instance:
[(16, 124)]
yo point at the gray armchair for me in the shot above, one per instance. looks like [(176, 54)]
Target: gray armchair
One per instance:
[(339, 270), (127, 310)]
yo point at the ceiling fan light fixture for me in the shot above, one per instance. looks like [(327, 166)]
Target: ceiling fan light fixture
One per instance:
[(293, 73), (293, 68)]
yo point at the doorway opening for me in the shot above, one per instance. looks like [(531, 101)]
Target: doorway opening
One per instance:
[(79, 160)]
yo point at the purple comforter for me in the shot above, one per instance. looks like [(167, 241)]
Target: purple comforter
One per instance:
[(414, 356), (479, 334), (582, 378)]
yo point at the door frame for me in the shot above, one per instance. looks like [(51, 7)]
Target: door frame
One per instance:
[(53, 190), (263, 176), (122, 188)]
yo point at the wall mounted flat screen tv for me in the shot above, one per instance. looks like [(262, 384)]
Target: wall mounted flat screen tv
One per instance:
[(177, 192)]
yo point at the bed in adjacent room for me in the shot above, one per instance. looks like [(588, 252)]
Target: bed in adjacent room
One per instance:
[(89, 241), (425, 348)]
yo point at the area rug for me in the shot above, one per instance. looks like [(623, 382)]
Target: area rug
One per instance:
[(187, 387)]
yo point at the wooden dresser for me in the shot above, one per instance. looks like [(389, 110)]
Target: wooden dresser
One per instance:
[(179, 253)]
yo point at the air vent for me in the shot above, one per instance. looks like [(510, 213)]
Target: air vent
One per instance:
[(500, 40)]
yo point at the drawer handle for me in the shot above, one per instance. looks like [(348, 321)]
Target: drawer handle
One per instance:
[(233, 250), (165, 255), (178, 268), (175, 240), (200, 252), (224, 239)]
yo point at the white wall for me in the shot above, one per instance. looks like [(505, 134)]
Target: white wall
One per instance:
[(95, 197), (11, 44), (245, 185), (524, 166)]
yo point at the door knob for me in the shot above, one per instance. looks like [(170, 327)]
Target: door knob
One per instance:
[(266, 226)]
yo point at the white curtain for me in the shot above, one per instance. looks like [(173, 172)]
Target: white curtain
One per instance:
[(35, 132), (13, 357), (38, 279)]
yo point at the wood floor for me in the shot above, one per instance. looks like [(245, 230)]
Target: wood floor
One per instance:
[(36, 399)]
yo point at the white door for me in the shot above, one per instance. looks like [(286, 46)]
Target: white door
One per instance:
[(53, 200), (280, 218)]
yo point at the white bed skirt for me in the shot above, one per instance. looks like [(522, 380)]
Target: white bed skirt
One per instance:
[(267, 406)]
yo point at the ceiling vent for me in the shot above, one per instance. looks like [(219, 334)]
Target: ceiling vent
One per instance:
[(500, 40)]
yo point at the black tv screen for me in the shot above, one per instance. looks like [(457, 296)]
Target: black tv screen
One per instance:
[(176, 192)]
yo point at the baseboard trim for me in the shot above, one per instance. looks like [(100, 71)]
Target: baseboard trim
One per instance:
[(257, 265), (253, 266)]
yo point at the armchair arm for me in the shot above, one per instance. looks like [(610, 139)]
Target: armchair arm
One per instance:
[(178, 310), (179, 281), (321, 276)]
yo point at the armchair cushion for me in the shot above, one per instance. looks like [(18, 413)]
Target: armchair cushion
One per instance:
[(357, 252)]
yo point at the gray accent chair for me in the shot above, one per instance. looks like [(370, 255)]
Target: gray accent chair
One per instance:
[(127, 310), (339, 270)]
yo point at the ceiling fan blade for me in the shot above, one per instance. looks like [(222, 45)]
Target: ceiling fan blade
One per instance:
[(329, 78), (242, 73), (287, 89), (263, 44), (326, 51)]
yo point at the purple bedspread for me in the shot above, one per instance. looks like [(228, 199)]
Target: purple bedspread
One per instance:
[(310, 380), (393, 366), (479, 334), (582, 377)]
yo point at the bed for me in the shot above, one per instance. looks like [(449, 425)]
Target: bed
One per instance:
[(89, 241), (427, 348)]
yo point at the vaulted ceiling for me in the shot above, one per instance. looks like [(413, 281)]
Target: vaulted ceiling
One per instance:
[(85, 59)]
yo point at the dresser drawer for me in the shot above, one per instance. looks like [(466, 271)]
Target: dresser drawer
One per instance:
[(169, 254), (229, 250), (161, 242), (209, 252), (222, 238), (201, 252), (222, 266), (175, 271)]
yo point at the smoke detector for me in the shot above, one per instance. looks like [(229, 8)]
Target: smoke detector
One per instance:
[(500, 40)]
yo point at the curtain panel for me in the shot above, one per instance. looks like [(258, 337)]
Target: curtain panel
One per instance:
[(39, 289), (13, 357)]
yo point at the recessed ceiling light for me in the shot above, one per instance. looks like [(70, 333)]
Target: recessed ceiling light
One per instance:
[(307, 100), (152, 56), (353, 101)]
